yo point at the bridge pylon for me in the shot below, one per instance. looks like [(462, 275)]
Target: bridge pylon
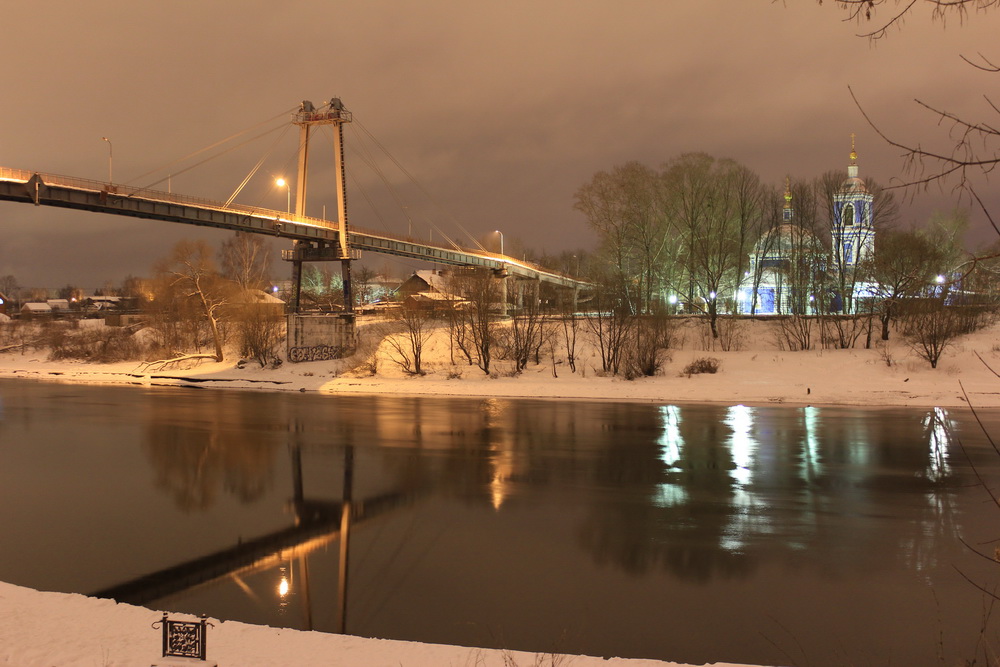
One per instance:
[(308, 116), (337, 337)]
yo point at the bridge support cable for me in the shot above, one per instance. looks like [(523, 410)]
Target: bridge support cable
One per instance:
[(255, 169), (283, 114), (426, 194)]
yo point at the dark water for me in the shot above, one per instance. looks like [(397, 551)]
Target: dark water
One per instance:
[(771, 535)]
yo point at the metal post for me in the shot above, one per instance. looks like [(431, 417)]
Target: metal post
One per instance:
[(110, 160)]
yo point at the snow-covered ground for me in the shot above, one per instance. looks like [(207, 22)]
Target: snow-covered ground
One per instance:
[(39, 629), (44, 629), (758, 373)]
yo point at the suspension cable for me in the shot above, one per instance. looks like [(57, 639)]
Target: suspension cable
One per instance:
[(256, 167), (208, 148), (422, 189)]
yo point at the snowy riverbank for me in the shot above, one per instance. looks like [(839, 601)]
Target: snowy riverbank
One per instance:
[(56, 629), (759, 373)]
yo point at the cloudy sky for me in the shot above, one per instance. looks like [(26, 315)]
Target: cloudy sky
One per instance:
[(498, 111)]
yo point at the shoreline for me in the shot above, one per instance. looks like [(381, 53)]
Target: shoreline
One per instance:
[(796, 379)]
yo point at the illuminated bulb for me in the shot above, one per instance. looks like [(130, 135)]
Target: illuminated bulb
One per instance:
[(283, 587), (280, 182)]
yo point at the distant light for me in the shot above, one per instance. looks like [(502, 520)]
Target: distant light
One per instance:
[(281, 182), (672, 299), (274, 289), (283, 587), (1, 301), (711, 295), (940, 279), (812, 298)]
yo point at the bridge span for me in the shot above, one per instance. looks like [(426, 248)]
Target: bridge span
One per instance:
[(42, 189)]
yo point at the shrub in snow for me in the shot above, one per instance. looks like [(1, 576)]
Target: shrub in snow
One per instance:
[(702, 365)]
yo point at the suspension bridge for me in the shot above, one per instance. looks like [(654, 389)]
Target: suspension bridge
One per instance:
[(313, 239)]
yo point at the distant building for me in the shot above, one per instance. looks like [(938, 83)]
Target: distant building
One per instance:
[(36, 309), (425, 282), (790, 270), (58, 305)]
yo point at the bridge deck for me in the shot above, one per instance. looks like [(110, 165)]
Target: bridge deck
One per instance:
[(43, 189)]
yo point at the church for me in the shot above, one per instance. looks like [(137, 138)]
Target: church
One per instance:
[(791, 271)]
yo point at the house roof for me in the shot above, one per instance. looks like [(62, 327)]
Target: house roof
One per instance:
[(256, 296), (37, 307)]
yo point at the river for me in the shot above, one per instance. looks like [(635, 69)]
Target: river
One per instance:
[(765, 535)]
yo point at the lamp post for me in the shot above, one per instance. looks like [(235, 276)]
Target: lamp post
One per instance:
[(501, 240), (110, 159), (282, 183)]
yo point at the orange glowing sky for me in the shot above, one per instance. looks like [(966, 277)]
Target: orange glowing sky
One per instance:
[(499, 110)]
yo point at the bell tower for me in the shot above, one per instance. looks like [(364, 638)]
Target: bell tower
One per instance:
[(853, 233)]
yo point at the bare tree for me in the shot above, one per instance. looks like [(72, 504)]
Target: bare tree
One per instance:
[(407, 345), (482, 292), (718, 204), (972, 148), (610, 324), (245, 260), (9, 287), (525, 325), (626, 207), (190, 276)]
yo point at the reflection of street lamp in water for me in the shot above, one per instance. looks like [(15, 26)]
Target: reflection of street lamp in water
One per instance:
[(282, 183)]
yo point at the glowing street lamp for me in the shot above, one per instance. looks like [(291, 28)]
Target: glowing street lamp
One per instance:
[(110, 158), (282, 183), (501, 240)]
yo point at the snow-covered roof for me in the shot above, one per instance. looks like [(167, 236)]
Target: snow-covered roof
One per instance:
[(58, 303), (257, 296), (436, 279), (37, 307)]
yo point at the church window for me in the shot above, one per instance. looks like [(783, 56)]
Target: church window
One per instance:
[(847, 215), (848, 253)]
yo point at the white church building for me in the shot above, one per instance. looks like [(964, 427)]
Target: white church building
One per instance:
[(793, 272)]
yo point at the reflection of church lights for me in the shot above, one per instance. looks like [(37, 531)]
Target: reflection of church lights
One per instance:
[(671, 442), (744, 520), (283, 587), (740, 419), (938, 428), (811, 467)]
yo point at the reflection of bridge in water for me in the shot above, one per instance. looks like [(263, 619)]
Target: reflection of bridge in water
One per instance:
[(317, 523)]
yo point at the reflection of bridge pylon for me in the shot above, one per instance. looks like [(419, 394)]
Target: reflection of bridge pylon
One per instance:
[(316, 524), (331, 113)]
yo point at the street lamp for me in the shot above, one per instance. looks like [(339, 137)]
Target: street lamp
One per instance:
[(501, 240), (110, 158), (282, 183)]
